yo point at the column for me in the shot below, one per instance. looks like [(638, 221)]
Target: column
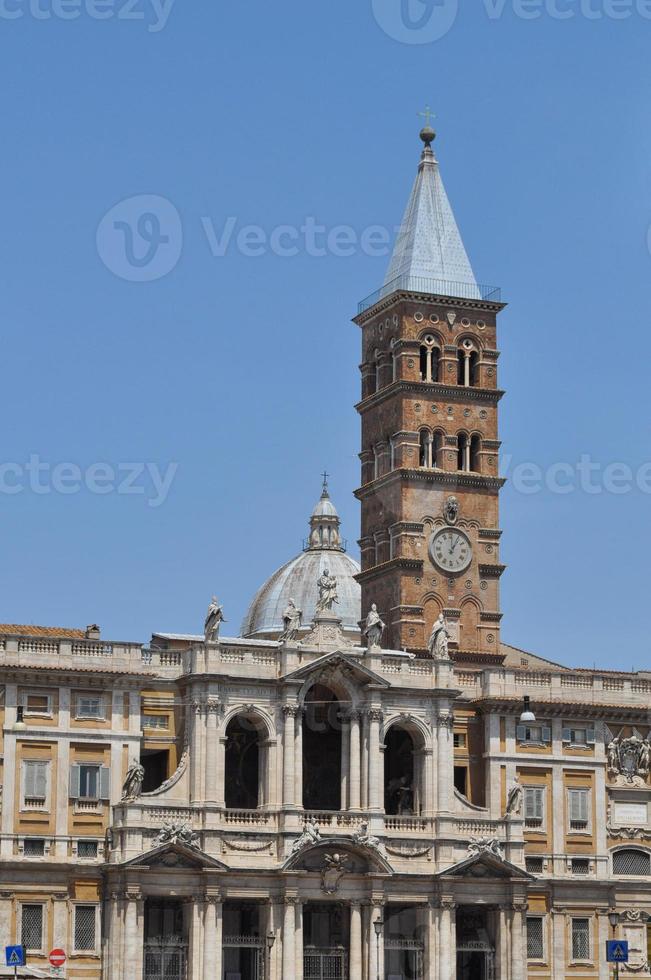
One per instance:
[(445, 761), (345, 763), (133, 934), (298, 759), (289, 940), (558, 945), (298, 940), (518, 958), (431, 943), (502, 944), (220, 765), (195, 751), (364, 762), (289, 776), (426, 801), (276, 913), (354, 794), (447, 940), (356, 960), (374, 780), (212, 937), (195, 971), (211, 751)]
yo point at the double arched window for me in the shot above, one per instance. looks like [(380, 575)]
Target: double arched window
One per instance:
[(467, 364), (468, 452), (430, 357), (430, 446)]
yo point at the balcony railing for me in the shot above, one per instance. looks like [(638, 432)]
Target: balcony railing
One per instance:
[(433, 287)]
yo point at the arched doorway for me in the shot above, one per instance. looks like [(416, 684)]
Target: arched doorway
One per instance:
[(245, 767), (322, 746), (399, 772)]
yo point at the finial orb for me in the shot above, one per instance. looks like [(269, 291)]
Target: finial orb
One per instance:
[(427, 135)]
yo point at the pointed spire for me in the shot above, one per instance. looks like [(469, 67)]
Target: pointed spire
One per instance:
[(429, 248)]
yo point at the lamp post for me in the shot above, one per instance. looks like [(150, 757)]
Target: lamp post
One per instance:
[(527, 714), (613, 918), (378, 925), (270, 939)]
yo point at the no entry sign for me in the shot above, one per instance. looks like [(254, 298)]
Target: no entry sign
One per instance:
[(57, 957)]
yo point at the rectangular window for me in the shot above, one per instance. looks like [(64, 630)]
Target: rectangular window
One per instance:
[(579, 809), (87, 849), (580, 736), (534, 807), (459, 740), (31, 927), (37, 704), (533, 734), (155, 721), (580, 939), (534, 865), (89, 706), (85, 927), (89, 781), (535, 937), (580, 866), (33, 847), (35, 784)]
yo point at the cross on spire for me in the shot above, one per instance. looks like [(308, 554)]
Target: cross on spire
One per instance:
[(325, 475), (427, 115)]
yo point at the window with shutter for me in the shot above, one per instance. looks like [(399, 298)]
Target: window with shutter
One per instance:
[(579, 810), (534, 806), (89, 782), (35, 783), (104, 783)]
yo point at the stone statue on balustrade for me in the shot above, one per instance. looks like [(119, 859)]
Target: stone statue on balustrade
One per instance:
[(439, 640), (374, 628), (132, 786), (514, 801), (311, 835), (328, 597), (292, 621), (214, 618)]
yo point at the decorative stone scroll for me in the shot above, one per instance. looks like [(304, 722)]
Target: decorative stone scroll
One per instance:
[(486, 845), (173, 832)]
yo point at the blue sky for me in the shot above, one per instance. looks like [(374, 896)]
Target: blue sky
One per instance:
[(240, 370)]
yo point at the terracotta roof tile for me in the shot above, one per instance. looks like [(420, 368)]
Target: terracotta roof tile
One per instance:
[(57, 631)]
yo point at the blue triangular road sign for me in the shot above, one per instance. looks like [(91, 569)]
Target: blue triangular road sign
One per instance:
[(14, 956)]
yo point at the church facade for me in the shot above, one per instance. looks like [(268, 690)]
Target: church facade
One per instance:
[(367, 783)]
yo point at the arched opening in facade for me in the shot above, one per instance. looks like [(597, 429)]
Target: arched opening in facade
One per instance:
[(404, 945), (475, 450), (467, 364), (245, 765), (165, 933), (322, 749), (430, 449), (403, 771), (430, 356), (243, 947), (463, 452), (476, 932), (469, 625)]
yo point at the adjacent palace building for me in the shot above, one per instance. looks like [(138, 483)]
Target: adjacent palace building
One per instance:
[(357, 786)]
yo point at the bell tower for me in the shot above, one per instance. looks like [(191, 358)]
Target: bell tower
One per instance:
[(430, 485)]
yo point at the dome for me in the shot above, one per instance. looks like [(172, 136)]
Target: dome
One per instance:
[(297, 579)]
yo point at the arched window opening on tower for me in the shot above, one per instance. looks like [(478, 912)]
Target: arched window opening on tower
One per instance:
[(376, 462), (394, 361), (475, 450), (431, 444), (245, 765), (429, 360), (376, 371), (467, 364), (322, 746), (402, 789), (463, 452), (392, 453)]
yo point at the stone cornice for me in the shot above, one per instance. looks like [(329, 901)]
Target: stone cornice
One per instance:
[(560, 707), (404, 564), (474, 481), (439, 392), (431, 299)]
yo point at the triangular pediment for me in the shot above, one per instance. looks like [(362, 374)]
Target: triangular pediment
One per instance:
[(175, 856), (485, 865), (339, 661)]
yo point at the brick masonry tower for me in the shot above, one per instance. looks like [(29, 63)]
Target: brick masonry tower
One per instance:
[(430, 486)]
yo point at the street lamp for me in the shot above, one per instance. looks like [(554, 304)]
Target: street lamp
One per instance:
[(378, 925), (613, 918), (270, 939), (19, 724)]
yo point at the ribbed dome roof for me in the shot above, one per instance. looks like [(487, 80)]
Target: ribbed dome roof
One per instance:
[(297, 579)]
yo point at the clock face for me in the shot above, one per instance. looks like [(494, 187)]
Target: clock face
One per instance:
[(450, 549)]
